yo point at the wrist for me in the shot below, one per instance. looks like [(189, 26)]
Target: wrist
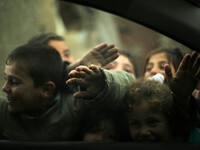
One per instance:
[(182, 101)]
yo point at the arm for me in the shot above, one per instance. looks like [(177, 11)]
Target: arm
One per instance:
[(182, 85), (100, 85), (100, 55), (185, 79)]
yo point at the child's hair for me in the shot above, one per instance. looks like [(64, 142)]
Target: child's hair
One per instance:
[(42, 63), (45, 38), (174, 56), (92, 123), (157, 95)]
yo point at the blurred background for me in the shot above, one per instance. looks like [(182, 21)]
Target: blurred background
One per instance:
[(82, 27)]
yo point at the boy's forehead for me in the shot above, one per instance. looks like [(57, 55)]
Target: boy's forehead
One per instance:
[(15, 69)]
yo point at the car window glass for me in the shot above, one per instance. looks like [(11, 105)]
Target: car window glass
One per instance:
[(82, 27)]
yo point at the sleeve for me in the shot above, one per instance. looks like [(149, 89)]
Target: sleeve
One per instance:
[(3, 108), (188, 119), (194, 136), (117, 83), (194, 112)]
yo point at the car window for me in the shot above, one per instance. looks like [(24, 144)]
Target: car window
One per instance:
[(81, 26)]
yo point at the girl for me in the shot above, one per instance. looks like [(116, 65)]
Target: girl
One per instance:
[(152, 116), (156, 60)]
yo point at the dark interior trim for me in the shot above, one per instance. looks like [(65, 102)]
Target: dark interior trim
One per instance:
[(31, 145)]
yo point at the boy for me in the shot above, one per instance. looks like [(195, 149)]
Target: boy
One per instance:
[(37, 109)]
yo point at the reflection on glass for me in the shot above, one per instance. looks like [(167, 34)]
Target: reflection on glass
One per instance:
[(82, 28)]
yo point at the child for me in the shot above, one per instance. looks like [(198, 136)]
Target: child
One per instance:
[(56, 41), (152, 114), (37, 109), (107, 125), (125, 62), (156, 60)]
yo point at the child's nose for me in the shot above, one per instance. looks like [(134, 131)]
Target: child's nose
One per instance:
[(5, 87), (154, 71), (145, 132)]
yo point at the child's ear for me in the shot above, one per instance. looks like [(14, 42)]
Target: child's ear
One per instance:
[(48, 89)]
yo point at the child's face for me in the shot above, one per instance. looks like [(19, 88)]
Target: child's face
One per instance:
[(122, 63), (20, 91), (148, 126), (156, 65), (105, 134), (61, 47)]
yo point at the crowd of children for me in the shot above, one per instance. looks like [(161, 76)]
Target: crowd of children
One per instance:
[(106, 104)]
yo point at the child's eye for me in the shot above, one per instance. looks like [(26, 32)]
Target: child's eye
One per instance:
[(148, 68), (129, 71), (134, 124), (153, 123), (13, 81), (162, 67)]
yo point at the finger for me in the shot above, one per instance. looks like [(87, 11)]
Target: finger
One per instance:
[(196, 65), (76, 81), (193, 57), (104, 50), (77, 74), (85, 69), (100, 46), (184, 63), (82, 94), (111, 52), (168, 72), (111, 58), (198, 74), (94, 68), (72, 73)]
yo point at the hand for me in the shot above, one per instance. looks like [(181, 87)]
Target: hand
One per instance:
[(196, 94), (100, 55), (186, 77), (90, 79)]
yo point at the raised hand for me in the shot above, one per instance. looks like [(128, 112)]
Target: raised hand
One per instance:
[(90, 80), (100, 55), (186, 78)]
